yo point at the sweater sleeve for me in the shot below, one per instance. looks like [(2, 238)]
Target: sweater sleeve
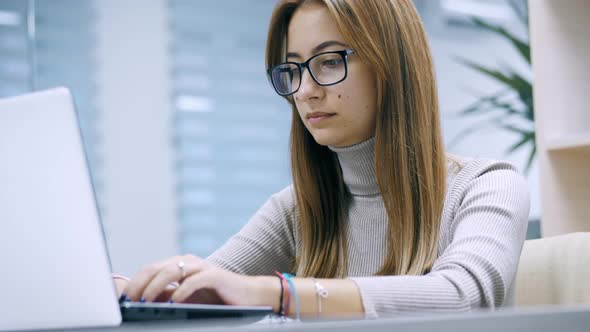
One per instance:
[(488, 215), (265, 244)]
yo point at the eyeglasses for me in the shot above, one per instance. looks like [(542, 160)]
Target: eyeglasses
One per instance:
[(327, 68)]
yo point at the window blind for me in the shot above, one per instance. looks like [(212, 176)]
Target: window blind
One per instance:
[(15, 70), (230, 128), (55, 48)]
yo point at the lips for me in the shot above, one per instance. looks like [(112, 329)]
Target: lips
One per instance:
[(314, 115)]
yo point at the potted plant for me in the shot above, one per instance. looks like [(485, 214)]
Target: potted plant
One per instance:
[(512, 107)]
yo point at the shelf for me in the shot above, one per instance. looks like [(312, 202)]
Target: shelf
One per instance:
[(560, 48), (569, 142)]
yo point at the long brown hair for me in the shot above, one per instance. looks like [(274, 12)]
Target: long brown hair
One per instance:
[(411, 165)]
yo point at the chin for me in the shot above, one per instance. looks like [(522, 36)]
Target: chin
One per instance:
[(327, 139)]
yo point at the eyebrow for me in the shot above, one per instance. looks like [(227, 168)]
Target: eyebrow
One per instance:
[(318, 48)]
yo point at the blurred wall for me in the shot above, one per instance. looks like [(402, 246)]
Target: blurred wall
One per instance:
[(134, 96)]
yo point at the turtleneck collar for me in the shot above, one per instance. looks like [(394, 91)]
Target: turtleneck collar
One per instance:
[(358, 167)]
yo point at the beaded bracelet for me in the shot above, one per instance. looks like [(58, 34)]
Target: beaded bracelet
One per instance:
[(285, 293), (281, 309), (294, 291)]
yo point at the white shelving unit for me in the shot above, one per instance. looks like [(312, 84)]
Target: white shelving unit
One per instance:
[(569, 142), (560, 41)]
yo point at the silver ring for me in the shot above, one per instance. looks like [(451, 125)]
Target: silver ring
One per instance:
[(182, 271)]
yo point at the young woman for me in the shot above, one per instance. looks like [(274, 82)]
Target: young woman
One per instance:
[(379, 219)]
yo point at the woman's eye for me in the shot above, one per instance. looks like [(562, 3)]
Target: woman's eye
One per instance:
[(332, 63)]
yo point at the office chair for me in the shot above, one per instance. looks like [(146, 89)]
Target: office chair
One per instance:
[(554, 271)]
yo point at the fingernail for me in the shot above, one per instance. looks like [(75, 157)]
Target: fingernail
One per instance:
[(142, 300), (170, 301)]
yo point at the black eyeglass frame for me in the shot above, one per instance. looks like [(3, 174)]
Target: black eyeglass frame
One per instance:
[(302, 65)]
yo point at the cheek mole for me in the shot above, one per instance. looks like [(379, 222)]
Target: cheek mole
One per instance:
[(339, 96)]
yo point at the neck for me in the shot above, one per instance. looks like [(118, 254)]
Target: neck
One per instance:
[(358, 167)]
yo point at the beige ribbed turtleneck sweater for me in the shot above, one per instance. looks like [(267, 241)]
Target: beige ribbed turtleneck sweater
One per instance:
[(482, 230)]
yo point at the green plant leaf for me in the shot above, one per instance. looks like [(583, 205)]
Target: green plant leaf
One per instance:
[(475, 107), (510, 110), (518, 104), (478, 107), (496, 74), (525, 138), (512, 80), (521, 46), (517, 130), (521, 12), (492, 107), (524, 88), (531, 158)]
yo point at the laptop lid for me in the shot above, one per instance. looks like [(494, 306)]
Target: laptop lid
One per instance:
[(55, 268)]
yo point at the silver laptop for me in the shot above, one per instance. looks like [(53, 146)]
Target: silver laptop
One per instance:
[(54, 258)]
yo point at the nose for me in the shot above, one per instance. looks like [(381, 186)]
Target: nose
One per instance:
[(309, 89)]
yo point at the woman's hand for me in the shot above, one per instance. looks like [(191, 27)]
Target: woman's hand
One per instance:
[(200, 282)]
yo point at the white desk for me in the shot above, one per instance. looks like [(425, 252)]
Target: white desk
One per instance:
[(551, 319)]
